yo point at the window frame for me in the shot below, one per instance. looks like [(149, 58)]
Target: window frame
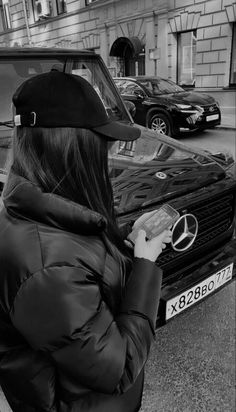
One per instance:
[(55, 9), (233, 55), (5, 16), (59, 8), (179, 67), (128, 83)]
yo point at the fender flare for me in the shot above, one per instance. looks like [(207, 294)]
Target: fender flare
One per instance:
[(159, 110)]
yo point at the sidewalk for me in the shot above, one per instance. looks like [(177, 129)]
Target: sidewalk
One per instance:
[(227, 101), (228, 117)]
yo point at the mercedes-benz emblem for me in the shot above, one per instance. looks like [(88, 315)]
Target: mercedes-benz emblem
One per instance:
[(160, 175), (211, 108), (184, 232)]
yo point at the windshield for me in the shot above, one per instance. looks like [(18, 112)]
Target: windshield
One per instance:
[(160, 86), (90, 70), (14, 71)]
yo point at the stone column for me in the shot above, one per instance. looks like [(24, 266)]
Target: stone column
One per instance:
[(112, 38), (162, 45), (150, 45), (104, 52)]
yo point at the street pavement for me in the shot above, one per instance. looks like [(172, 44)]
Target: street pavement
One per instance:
[(227, 102), (214, 140), (192, 363), (228, 117)]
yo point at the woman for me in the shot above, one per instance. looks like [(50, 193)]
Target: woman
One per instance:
[(77, 313)]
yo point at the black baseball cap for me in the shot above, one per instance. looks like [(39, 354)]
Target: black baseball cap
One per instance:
[(57, 99)]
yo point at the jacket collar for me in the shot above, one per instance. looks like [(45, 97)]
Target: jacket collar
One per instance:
[(24, 199)]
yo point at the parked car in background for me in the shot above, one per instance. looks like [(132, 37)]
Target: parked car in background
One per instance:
[(166, 107), (147, 173)]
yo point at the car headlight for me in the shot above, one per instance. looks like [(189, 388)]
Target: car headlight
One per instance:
[(184, 107), (187, 108)]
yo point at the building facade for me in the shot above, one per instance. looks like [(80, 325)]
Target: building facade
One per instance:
[(192, 42)]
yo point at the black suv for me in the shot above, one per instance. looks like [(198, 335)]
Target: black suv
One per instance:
[(165, 107), (145, 174)]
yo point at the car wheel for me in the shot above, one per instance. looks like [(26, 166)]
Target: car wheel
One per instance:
[(160, 123)]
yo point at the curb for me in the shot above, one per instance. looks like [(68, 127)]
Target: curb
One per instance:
[(226, 127)]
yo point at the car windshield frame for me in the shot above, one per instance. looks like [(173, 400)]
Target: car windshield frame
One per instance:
[(15, 70)]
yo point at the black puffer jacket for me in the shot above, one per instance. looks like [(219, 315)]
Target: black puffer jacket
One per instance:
[(71, 338)]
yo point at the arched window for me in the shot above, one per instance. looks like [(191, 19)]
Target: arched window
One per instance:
[(130, 55)]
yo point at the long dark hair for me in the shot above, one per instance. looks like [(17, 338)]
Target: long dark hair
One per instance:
[(72, 163)]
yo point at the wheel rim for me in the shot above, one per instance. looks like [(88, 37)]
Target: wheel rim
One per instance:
[(159, 125)]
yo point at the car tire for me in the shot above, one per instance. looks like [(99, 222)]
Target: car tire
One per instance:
[(160, 123)]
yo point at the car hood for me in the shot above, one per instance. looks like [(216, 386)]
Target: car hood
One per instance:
[(193, 98), (175, 170)]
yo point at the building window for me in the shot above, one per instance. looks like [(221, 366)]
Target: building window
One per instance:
[(5, 16), (46, 8), (61, 6), (186, 60), (233, 58)]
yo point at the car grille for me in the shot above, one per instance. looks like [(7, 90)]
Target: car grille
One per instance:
[(210, 109), (214, 217)]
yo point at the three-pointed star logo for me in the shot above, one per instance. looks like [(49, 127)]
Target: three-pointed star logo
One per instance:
[(184, 232)]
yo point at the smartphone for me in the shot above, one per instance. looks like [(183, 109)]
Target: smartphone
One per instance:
[(157, 222)]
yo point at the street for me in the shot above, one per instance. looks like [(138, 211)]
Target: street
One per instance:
[(214, 140), (192, 363)]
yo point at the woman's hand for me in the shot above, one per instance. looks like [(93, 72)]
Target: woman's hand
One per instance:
[(151, 249)]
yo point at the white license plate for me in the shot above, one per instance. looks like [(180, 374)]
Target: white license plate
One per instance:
[(212, 117), (198, 292)]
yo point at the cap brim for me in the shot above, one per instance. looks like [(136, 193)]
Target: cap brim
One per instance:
[(119, 131)]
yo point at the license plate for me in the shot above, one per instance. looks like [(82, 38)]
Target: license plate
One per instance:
[(212, 117), (198, 292)]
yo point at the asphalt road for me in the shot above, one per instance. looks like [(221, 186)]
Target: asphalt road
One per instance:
[(214, 140), (192, 363)]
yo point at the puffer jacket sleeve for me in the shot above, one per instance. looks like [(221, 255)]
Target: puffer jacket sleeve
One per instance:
[(60, 310)]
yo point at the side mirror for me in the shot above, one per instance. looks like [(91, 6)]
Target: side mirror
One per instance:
[(139, 94), (131, 107)]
